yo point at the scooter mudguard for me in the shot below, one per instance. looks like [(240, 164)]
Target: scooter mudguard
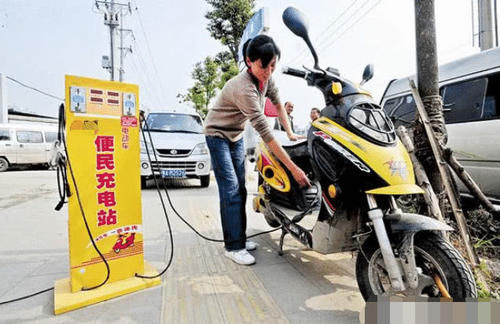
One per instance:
[(414, 223)]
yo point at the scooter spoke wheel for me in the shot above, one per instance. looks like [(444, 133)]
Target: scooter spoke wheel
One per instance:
[(434, 257)]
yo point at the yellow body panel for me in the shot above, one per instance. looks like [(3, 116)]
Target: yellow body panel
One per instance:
[(402, 189), (280, 180), (391, 163)]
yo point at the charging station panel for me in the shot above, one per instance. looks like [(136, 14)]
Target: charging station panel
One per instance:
[(102, 135)]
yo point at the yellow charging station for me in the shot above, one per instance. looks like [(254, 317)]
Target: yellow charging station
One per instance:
[(102, 136)]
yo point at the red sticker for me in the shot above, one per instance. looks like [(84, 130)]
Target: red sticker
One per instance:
[(129, 121)]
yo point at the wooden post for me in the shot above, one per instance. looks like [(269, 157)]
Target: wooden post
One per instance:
[(422, 180), (428, 87), (436, 150)]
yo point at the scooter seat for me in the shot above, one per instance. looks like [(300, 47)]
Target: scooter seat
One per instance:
[(293, 148), (284, 141)]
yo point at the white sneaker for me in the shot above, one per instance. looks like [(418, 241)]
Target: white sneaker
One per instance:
[(241, 257), (250, 245)]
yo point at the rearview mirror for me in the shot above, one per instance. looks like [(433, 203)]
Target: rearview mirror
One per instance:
[(296, 21), (367, 74)]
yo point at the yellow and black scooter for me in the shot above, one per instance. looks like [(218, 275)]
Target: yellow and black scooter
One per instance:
[(358, 167)]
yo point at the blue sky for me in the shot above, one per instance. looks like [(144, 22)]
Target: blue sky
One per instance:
[(41, 41)]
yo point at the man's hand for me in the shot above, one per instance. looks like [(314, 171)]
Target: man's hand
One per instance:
[(295, 137), (300, 177)]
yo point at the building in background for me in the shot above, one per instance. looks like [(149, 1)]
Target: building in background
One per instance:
[(19, 117)]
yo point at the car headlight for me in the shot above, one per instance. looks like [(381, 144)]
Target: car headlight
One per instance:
[(200, 149)]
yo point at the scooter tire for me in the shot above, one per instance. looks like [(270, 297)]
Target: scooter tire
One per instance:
[(458, 276), (269, 219)]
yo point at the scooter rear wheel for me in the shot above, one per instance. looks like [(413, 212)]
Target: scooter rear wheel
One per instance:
[(433, 256), (271, 221)]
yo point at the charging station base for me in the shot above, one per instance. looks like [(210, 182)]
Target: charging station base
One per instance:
[(65, 300)]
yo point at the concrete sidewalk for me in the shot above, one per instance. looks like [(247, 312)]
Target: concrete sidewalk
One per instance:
[(201, 286)]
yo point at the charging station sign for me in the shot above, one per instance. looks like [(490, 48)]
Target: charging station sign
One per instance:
[(103, 151)]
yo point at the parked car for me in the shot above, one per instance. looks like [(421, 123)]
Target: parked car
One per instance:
[(179, 144), (26, 144), (470, 88)]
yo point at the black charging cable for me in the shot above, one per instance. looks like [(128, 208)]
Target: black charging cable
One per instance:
[(172, 206), (26, 297), (171, 257), (63, 192), (65, 188), (62, 121), (143, 121)]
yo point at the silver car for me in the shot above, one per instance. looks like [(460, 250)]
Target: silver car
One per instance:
[(180, 149), (470, 88), (26, 144)]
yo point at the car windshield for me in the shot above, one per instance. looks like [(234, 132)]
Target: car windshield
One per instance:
[(168, 122)]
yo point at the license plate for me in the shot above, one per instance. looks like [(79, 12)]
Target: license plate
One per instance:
[(173, 173)]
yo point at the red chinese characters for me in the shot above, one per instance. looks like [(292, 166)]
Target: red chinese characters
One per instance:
[(125, 138), (105, 178), (106, 217), (105, 161), (105, 144), (107, 198)]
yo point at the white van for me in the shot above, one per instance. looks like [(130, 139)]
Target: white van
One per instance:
[(470, 88), (26, 144), (180, 146)]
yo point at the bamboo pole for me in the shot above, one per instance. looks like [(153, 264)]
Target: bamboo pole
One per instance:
[(422, 180)]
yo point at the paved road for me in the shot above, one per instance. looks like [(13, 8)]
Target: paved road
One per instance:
[(202, 286)]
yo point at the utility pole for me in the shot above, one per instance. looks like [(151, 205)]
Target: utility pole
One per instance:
[(486, 25), (113, 17), (4, 113), (428, 88), (124, 50)]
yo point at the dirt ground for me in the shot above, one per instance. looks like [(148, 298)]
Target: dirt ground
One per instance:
[(485, 235)]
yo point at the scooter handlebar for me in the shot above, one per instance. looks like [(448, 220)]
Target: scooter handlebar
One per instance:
[(295, 72)]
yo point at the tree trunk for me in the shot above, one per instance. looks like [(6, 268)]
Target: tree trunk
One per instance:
[(428, 85)]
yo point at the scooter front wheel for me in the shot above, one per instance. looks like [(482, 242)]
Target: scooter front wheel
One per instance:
[(441, 270)]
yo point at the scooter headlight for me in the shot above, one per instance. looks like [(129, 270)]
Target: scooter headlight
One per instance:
[(370, 121)]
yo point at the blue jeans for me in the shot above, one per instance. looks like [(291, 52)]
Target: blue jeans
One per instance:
[(228, 161)]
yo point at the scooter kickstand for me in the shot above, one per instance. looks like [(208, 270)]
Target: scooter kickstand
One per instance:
[(283, 233)]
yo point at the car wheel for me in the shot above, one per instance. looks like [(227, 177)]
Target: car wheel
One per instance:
[(205, 181), (4, 164)]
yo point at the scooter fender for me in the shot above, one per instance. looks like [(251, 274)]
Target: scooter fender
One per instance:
[(406, 222)]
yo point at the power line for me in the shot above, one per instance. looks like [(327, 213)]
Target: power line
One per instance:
[(149, 48), (146, 82), (34, 89), (144, 68), (349, 19), (339, 30), (323, 32), (352, 25)]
